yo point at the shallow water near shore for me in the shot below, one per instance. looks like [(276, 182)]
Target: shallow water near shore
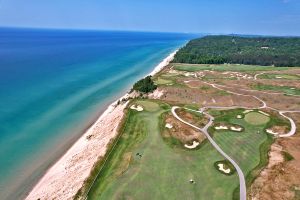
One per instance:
[(54, 83)]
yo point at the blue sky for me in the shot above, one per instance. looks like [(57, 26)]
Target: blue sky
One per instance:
[(271, 17)]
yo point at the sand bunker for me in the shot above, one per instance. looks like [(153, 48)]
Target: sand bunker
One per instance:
[(188, 74), (169, 126), (137, 108), (236, 129), (239, 116), (232, 128), (221, 128), (221, 168), (263, 113), (247, 111), (271, 132), (193, 146)]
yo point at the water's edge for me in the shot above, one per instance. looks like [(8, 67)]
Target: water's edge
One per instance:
[(69, 142)]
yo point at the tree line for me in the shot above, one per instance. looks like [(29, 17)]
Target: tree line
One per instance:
[(277, 51)]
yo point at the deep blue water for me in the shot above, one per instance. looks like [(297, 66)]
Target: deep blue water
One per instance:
[(53, 83)]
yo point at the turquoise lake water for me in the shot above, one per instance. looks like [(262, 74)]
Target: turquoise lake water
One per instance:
[(54, 83)]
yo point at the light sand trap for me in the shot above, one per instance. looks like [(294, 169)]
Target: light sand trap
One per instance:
[(172, 71), (221, 128), (271, 132), (137, 108), (187, 74), (169, 126), (193, 146), (236, 129), (239, 116), (279, 77), (247, 111), (262, 112), (293, 88), (221, 168)]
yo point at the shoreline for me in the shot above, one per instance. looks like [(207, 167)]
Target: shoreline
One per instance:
[(67, 175)]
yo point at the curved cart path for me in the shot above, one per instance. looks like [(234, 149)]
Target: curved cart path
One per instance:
[(264, 105), (216, 146)]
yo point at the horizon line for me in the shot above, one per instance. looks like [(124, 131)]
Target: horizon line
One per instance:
[(142, 31)]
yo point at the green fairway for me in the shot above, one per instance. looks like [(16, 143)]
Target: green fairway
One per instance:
[(161, 81), (148, 105), (158, 171), (280, 76), (249, 148), (288, 90), (144, 166), (256, 118), (231, 67)]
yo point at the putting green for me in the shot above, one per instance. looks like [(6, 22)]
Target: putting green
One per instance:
[(148, 105), (256, 118), (161, 81)]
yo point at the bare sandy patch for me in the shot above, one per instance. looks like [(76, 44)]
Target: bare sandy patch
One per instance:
[(137, 108)]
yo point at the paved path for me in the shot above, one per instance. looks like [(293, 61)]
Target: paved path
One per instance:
[(293, 125), (243, 193), (216, 146), (264, 105)]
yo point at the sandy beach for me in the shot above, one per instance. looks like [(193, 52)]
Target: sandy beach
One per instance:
[(67, 175)]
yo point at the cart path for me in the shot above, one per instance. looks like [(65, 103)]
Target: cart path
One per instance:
[(242, 182)]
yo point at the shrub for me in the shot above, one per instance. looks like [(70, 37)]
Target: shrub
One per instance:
[(145, 85)]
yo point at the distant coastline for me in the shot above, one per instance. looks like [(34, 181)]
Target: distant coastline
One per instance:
[(66, 176)]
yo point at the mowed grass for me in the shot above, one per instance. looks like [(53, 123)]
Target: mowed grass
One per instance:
[(227, 67), (161, 172), (256, 118), (280, 76), (288, 90), (148, 105), (248, 148), (161, 81)]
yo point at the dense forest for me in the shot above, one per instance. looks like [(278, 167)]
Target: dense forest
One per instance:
[(277, 51)]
